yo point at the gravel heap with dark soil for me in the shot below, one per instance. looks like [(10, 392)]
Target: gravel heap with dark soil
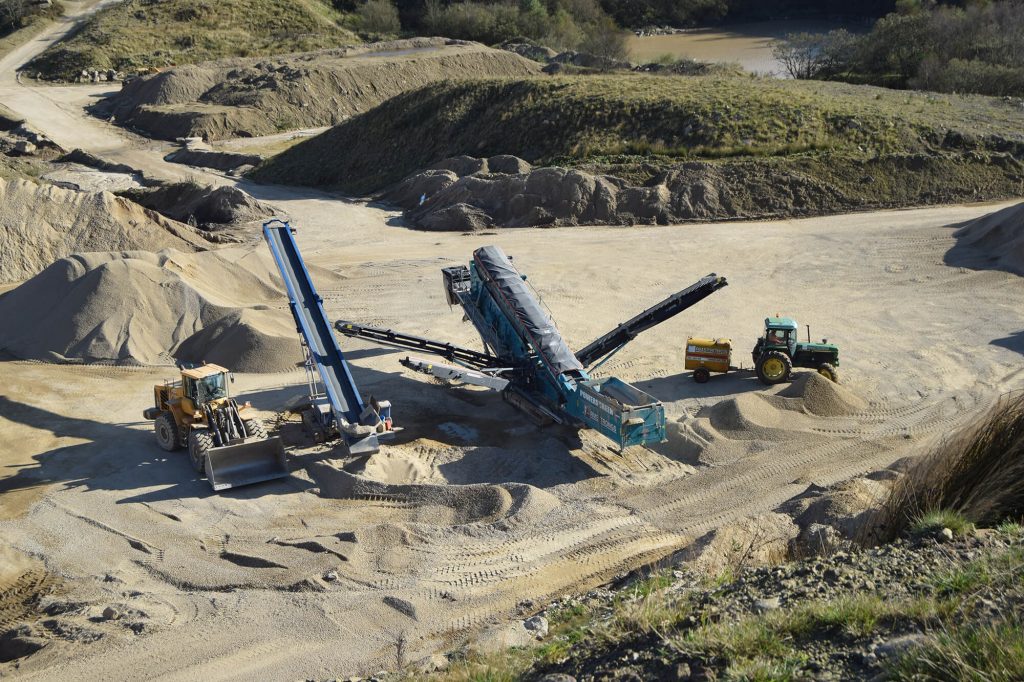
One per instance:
[(854, 642)]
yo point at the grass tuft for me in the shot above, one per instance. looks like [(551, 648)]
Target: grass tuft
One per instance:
[(974, 476), (936, 519)]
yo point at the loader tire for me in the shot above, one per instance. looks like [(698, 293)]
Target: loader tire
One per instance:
[(701, 375), (199, 443), (774, 367), (829, 371), (254, 428), (167, 435)]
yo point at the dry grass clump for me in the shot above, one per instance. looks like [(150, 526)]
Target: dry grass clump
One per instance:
[(976, 475)]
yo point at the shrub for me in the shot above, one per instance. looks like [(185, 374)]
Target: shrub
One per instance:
[(379, 16), (13, 15)]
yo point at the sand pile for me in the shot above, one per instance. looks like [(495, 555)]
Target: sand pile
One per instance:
[(144, 308), (42, 223), (251, 97), (997, 237), (750, 424), (203, 205), (826, 398), (751, 416), (465, 194)]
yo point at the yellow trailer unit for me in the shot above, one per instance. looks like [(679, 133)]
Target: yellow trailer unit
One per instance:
[(705, 356)]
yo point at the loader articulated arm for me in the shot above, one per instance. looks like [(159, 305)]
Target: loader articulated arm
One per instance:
[(604, 346)]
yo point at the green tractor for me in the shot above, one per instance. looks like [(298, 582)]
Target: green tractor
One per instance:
[(779, 351)]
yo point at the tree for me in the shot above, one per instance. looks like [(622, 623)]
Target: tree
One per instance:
[(799, 53)]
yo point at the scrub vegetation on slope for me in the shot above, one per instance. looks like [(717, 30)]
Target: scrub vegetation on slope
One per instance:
[(622, 123), (140, 34)]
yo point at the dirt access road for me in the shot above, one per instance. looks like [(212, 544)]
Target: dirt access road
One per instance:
[(472, 517)]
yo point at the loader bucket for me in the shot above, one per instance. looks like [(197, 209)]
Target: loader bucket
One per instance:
[(252, 461)]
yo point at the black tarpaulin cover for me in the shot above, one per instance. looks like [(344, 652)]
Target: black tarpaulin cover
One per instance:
[(511, 292)]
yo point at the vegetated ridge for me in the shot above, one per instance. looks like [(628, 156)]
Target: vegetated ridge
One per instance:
[(142, 34), (853, 146)]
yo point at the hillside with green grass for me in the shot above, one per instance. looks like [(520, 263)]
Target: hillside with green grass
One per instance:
[(636, 126), (142, 34)]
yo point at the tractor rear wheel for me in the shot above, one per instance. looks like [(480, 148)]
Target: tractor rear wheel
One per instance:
[(774, 367), (254, 428), (701, 375), (199, 443), (167, 436), (829, 371)]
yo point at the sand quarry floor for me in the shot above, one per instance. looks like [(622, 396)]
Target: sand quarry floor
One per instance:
[(477, 511), (473, 516)]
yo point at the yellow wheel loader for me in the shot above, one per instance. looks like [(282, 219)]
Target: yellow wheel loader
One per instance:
[(223, 438)]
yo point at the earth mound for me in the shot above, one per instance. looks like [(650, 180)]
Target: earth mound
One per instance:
[(42, 223), (138, 307), (246, 340), (204, 206), (507, 503), (997, 237), (826, 398), (460, 197), (253, 97)]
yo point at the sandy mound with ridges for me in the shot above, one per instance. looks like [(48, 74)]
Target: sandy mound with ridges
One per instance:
[(41, 223), (441, 504), (140, 307), (999, 236)]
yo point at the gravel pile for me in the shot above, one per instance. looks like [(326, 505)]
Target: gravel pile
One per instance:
[(905, 569)]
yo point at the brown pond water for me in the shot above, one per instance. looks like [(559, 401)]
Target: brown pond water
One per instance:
[(748, 45)]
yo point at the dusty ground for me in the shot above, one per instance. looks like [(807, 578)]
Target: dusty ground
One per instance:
[(287, 580), (235, 580)]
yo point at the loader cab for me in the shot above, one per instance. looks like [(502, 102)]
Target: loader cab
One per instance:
[(205, 383)]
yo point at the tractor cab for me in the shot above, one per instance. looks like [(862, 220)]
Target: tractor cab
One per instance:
[(780, 333)]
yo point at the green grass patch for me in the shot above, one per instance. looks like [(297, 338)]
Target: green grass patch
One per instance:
[(137, 35), (978, 652), (937, 519)]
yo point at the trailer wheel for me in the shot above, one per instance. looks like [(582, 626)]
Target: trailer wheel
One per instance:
[(199, 444), (254, 428), (774, 367), (829, 371), (701, 375), (167, 436)]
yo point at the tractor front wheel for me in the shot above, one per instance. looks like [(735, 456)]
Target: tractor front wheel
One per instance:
[(167, 432), (774, 367), (829, 371), (701, 375), (199, 443)]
